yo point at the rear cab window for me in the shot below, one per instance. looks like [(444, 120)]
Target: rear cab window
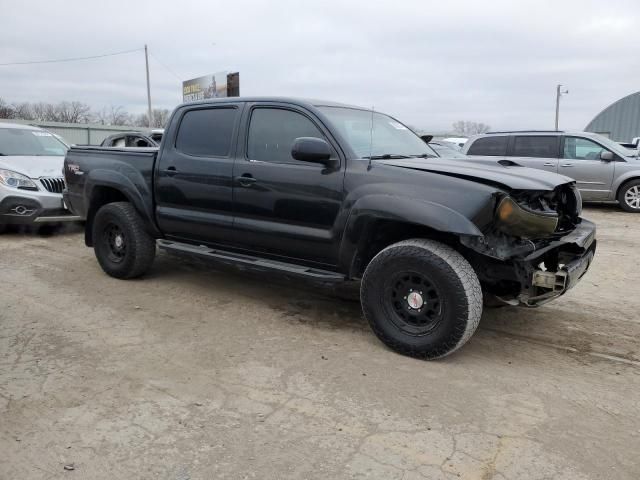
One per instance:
[(207, 132), (492, 146)]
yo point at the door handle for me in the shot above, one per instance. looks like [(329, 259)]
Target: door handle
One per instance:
[(567, 165), (245, 180), (171, 171), (549, 164)]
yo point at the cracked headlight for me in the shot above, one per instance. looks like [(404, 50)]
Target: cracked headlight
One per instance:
[(517, 221), (16, 180)]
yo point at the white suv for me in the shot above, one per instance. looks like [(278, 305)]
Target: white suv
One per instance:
[(31, 181)]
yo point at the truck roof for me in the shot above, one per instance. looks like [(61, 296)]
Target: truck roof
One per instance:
[(304, 102)]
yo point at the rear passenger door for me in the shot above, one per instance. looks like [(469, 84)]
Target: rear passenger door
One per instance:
[(194, 173), (536, 151)]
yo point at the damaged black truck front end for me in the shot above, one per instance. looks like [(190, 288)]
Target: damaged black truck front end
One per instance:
[(536, 249), (527, 241)]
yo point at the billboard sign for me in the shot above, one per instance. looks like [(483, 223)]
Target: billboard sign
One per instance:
[(216, 85)]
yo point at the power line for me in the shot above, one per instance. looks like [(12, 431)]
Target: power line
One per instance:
[(166, 67), (72, 59)]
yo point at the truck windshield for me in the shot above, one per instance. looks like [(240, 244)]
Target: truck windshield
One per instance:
[(27, 142), (375, 135)]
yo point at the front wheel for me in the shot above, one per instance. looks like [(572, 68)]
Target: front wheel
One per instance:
[(122, 246), (421, 298), (629, 196)]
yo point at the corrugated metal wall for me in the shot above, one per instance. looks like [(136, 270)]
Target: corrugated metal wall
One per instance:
[(79, 133), (620, 121)]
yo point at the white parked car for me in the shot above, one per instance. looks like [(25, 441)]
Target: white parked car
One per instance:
[(457, 141), (31, 181)]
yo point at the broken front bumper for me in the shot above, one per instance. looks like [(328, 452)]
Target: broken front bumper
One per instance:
[(551, 271)]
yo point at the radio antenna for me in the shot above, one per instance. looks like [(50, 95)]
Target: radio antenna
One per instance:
[(371, 138)]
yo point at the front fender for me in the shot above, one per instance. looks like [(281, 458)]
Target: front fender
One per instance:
[(371, 208)]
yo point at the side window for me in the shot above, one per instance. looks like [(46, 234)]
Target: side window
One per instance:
[(582, 149), (494, 146), (534, 146), (206, 132), (134, 141), (272, 132)]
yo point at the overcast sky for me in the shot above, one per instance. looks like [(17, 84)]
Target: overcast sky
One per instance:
[(427, 63)]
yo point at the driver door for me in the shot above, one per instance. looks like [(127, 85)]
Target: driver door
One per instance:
[(284, 206), (581, 161)]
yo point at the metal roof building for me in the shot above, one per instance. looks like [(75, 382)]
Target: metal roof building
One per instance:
[(620, 121)]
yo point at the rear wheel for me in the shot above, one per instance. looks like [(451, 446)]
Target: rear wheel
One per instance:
[(122, 246), (629, 196), (421, 298)]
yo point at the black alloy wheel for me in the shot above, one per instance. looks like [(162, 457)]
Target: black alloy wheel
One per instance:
[(414, 303), (115, 241)]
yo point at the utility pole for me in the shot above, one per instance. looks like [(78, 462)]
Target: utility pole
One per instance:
[(559, 93), (146, 60)]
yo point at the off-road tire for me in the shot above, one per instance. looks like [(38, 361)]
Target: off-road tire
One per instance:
[(458, 293), (623, 191), (139, 247)]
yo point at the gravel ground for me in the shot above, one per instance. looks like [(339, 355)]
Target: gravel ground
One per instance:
[(191, 373)]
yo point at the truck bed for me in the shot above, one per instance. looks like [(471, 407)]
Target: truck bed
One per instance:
[(85, 166)]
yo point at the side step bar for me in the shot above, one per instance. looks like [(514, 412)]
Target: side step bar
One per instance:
[(249, 261)]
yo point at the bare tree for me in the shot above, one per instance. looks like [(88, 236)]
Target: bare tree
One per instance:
[(114, 115), (6, 110), (78, 112), (467, 128), (160, 116), (23, 111), (44, 112), (73, 112)]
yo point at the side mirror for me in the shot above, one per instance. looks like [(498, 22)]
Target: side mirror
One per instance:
[(426, 138), (606, 156), (311, 149)]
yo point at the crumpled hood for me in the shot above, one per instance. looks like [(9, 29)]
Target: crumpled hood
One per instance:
[(485, 171), (34, 167)]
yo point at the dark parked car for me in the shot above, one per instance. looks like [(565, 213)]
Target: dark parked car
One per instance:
[(129, 139), (332, 193), (156, 135)]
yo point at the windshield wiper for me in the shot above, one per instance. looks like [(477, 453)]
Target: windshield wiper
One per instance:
[(424, 155), (387, 156)]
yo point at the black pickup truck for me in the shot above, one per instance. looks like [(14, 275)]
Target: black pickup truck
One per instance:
[(334, 193)]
